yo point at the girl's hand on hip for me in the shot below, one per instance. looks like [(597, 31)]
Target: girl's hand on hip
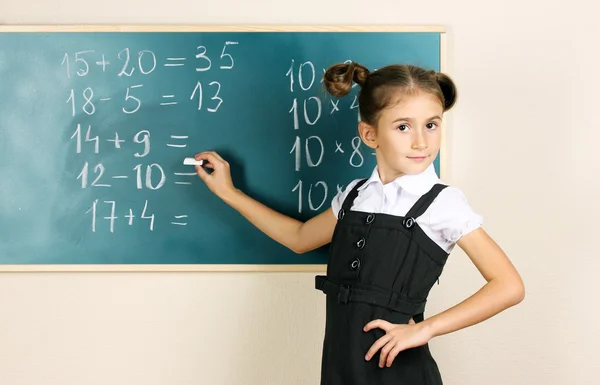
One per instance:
[(398, 337)]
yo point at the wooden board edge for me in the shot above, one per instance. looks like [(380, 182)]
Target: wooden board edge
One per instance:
[(444, 157), (159, 268), (217, 28)]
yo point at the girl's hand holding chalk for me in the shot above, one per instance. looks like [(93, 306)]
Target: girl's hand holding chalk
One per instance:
[(219, 180)]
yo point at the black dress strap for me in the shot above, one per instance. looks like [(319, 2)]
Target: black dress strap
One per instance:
[(347, 205), (422, 204)]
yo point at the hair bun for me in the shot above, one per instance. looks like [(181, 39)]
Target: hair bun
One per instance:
[(339, 77), (448, 90)]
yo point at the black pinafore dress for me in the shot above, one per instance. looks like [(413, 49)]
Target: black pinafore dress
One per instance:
[(380, 266)]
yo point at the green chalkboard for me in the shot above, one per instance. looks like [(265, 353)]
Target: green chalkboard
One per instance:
[(94, 126)]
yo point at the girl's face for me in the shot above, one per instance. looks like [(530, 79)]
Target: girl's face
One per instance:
[(408, 135)]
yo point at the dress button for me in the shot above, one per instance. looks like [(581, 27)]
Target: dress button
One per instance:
[(341, 214), (370, 218), (361, 243), (355, 264), (408, 222)]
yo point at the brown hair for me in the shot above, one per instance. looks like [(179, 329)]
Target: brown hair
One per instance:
[(378, 88)]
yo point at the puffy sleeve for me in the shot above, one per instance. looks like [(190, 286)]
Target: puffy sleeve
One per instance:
[(452, 216), (338, 199)]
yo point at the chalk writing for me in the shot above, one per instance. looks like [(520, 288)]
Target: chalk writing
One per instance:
[(102, 142), (309, 149)]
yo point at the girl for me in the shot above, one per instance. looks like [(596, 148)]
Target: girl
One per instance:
[(390, 235)]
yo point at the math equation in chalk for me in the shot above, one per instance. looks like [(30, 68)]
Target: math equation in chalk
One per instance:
[(309, 147), (203, 95)]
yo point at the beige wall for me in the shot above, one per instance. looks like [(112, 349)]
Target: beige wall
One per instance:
[(524, 149)]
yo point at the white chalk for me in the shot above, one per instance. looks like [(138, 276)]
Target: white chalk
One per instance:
[(193, 162)]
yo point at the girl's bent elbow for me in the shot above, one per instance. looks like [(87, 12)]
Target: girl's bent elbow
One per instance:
[(517, 292), (299, 249)]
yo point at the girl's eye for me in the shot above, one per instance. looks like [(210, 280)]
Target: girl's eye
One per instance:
[(403, 127), (431, 125)]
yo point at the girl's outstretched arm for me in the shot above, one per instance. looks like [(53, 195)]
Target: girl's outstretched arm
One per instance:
[(296, 235)]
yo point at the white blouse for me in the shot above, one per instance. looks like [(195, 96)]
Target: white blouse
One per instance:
[(447, 219)]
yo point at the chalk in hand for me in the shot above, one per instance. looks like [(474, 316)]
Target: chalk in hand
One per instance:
[(193, 162)]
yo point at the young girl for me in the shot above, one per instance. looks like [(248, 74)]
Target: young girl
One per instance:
[(390, 235)]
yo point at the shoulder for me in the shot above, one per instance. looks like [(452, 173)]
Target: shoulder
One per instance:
[(340, 196), (450, 195), (451, 214)]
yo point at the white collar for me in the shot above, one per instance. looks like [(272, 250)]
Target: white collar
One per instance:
[(416, 184)]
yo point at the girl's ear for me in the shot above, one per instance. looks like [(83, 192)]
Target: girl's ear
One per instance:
[(368, 134)]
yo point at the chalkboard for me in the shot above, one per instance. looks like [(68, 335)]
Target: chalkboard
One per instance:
[(95, 124)]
